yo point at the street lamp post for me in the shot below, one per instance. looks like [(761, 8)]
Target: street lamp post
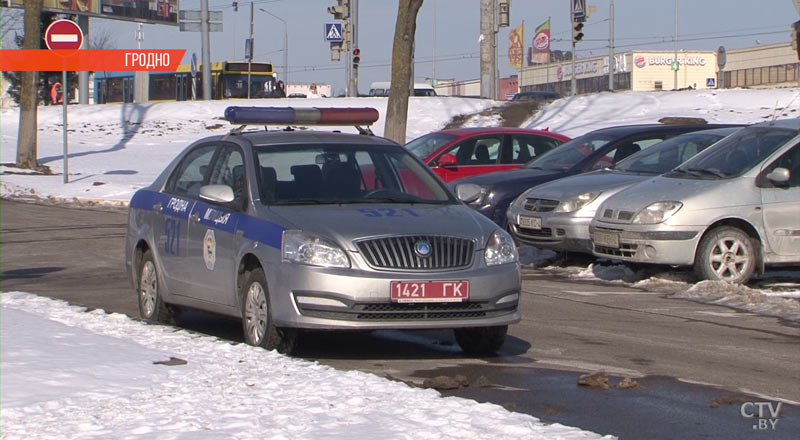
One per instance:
[(285, 47)]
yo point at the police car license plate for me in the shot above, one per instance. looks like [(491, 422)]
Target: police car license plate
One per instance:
[(608, 239), (530, 222), (430, 291)]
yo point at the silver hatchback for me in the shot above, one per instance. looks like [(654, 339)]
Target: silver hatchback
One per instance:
[(292, 230), (557, 214), (729, 211)]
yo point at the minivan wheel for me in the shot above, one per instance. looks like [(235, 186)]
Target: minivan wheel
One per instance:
[(257, 324), (481, 341), (151, 306), (726, 254)]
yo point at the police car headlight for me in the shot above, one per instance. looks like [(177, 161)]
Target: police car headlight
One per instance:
[(500, 249), (576, 203), (302, 248), (656, 213)]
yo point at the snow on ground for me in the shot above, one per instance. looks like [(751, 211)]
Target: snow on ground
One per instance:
[(68, 373), (775, 294), (574, 116)]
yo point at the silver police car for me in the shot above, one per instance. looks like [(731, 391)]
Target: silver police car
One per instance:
[(728, 211), (291, 230)]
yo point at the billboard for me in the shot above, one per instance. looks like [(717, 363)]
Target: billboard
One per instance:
[(148, 11)]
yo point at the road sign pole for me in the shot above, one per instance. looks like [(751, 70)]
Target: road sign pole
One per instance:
[(572, 21), (64, 99), (206, 43)]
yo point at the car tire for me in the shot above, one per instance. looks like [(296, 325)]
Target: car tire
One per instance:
[(257, 324), (726, 254), (481, 341), (151, 304)]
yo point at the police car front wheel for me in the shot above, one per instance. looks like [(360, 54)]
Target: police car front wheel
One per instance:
[(257, 324)]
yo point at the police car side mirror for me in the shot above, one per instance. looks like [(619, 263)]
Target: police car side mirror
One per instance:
[(779, 175), (217, 193)]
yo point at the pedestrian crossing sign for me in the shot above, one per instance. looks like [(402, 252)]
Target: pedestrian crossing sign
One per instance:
[(333, 32)]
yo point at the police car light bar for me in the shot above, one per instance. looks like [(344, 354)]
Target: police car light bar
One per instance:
[(301, 116)]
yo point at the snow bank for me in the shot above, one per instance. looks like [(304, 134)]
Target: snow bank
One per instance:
[(69, 373)]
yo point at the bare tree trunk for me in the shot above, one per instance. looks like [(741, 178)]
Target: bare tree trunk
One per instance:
[(397, 107), (26, 141)]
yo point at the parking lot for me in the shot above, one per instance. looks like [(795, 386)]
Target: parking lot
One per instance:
[(570, 327)]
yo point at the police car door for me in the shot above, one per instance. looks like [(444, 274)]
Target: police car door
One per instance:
[(171, 218), (212, 244)]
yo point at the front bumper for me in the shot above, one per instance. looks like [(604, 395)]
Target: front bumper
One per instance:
[(557, 232), (657, 244), (319, 298)]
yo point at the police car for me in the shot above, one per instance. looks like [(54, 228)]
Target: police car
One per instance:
[(291, 230)]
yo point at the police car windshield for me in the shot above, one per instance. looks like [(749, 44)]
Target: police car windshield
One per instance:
[(333, 174)]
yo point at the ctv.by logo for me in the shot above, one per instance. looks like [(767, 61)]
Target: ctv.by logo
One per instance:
[(752, 410)]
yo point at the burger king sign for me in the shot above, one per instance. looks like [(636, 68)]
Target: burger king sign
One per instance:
[(639, 61)]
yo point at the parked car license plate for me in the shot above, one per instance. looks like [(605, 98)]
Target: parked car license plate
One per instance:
[(530, 222), (430, 291), (608, 239)]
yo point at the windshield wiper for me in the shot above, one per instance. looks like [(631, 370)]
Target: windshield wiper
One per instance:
[(705, 172), (306, 202)]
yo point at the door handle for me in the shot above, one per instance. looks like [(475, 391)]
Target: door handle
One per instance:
[(158, 207), (196, 217)]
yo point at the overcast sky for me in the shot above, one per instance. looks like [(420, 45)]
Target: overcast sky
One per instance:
[(639, 24)]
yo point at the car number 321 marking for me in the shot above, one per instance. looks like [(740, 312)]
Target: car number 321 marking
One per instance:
[(430, 291), (387, 212)]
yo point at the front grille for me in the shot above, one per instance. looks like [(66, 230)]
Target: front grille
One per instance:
[(411, 312), (540, 205), (398, 252), (539, 233), (625, 250)]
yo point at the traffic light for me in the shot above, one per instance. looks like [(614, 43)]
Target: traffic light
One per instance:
[(340, 11), (356, 57), (577, 35), (795, 35), (336, 49)]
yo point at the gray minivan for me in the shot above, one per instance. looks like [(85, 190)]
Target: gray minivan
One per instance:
[(729, 211)]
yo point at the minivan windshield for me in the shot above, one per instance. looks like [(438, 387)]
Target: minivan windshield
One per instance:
[(670, 153), (325, 174), (566, 155), (736, 154)]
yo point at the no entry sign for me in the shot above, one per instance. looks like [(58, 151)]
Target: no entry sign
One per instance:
[(63, 35)]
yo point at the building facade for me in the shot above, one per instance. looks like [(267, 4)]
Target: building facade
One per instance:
[(760, 66)]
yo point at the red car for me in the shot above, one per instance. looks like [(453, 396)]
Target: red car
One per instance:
[(463, 152)]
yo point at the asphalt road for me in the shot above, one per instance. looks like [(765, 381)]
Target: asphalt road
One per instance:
[(684, 355)]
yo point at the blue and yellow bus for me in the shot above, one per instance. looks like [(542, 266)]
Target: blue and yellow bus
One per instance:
[(228, 81)]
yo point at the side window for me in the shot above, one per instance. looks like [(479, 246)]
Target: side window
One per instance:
[(525, 147), (477, 151), (791, 161), (190, 174), (627, 149), (228, 170)]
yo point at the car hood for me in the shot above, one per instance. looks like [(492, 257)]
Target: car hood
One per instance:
[(573, 186), (522, 176), (695, 194), (345, 223)]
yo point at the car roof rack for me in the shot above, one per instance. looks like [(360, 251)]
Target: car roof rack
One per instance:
[(359, 117)]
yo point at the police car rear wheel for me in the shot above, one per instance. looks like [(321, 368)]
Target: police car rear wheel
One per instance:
[(151, 306), (257, 324), (482, 341)]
